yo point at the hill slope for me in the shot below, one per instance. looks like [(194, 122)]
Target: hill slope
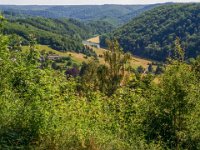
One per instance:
[(60, 34), (153, 33), (115, 14)]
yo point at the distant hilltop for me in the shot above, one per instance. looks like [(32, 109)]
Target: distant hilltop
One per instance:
[(115, 14)]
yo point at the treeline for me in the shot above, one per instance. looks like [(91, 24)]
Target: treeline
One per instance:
[(62, 35), (152, 34), (114, 14), (100, 27), (59, 34), (104, 107)]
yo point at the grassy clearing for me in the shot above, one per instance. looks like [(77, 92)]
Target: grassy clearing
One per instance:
[(76, 57), (79, 58), (135, 61), (100, 52), (94, 40)]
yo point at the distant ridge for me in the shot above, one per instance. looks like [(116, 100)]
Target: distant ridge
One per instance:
[(111, 13)]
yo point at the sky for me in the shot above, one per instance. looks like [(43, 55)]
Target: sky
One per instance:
[(85, 2)]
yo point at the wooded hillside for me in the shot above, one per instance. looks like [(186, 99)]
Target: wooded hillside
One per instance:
[(114, 14), (153, 33)]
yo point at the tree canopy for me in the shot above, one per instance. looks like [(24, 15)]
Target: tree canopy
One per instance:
[(152, 34)]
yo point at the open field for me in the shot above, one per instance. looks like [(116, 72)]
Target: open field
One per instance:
[(94, 40), (135, 61), (79, 58), (76, 57)]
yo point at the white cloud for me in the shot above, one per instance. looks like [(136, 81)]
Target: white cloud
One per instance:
[(82, 2)]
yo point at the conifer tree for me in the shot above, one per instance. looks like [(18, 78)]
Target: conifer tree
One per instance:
[(116, 62)]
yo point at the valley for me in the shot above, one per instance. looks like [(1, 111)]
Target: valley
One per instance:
[(135, 61), (79, 58), (100, 77)]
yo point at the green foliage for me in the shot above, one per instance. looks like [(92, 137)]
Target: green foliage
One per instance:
[(100, 27), (59, 34), (108, 77), (1, 21), (150, 68), (196, 66), (114, 14), (159, 69), (42, 109), (15, 43), (140, 69), (171, 108), (153, 33), (179, 52)]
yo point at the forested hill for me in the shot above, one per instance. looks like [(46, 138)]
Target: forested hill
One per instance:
[(115, 14), (153, 33), (60, 34)]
